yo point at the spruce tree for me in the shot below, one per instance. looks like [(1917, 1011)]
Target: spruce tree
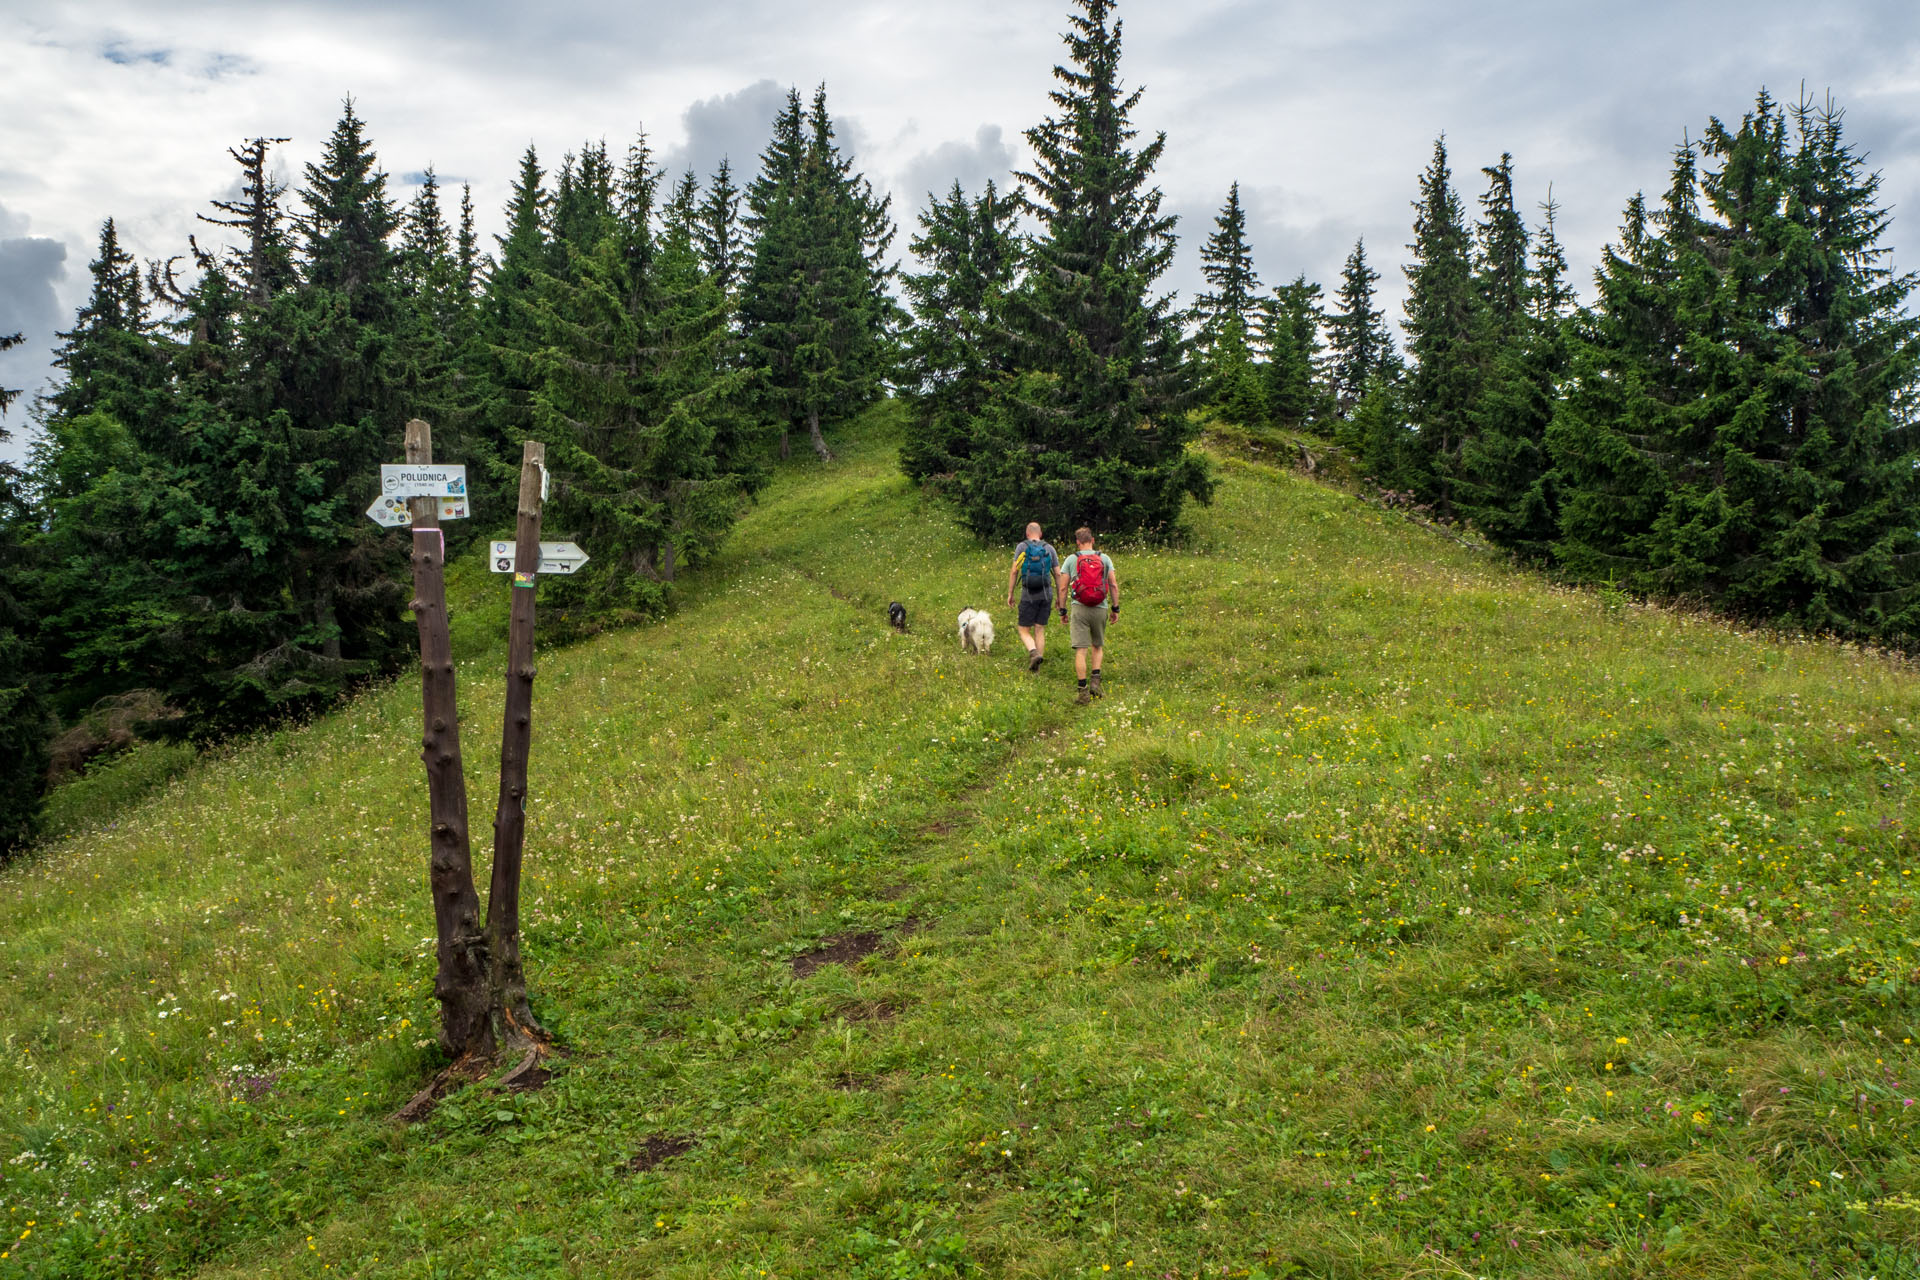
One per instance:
[(683, 208), (24, 721), (508, 331), (265, 263), (1501, 274), (1443, 325), (1093, 428), (633, 399), (1624, 427), (1359, 346), (1294, 394), (109, 362), (969, 257), (1501, 484), (717, 233), (816, 318), (1227, 315)]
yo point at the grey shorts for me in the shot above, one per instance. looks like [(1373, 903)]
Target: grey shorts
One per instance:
[(1087, 625)]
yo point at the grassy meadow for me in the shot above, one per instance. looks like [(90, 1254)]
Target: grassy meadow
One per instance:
[(1395, 913)]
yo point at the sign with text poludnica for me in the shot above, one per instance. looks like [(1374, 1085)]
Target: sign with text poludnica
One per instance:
[(423, 480)]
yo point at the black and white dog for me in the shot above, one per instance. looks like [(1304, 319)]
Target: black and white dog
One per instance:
[(976, 630), (897, 615)]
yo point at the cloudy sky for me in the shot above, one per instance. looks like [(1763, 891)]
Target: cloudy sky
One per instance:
[(1324, 112)]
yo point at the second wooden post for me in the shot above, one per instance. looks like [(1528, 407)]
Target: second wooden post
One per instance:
[(509, 980)]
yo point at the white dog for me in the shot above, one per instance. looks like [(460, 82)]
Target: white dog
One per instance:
[(976, 630)]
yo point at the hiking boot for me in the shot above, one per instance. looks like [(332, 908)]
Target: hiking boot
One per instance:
[(1033, 660), (1082, 698), (1093, 684)]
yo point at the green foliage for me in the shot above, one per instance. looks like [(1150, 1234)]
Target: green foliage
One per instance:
[(816, 319), (1296, 397), (1360, 348), (1502, 485), (1443, 326), (1737, 425), (1230, 383), (717, 229), (24, 721), (1092, 429), (633, 397), (955, 351)]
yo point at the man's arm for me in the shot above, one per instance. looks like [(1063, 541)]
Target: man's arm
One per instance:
[(1013, 573), (1113, 588), (1060, 586)]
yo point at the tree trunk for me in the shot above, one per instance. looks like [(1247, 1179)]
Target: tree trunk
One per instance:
[(813, 431), (324, 617), (786, 449), (460, 983), (514, 1028)]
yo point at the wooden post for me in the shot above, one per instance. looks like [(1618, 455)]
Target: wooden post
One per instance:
[(516, 1028), (460, 983)]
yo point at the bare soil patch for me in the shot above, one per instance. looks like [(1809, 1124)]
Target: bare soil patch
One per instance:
[(657, 1150), (845, 948)]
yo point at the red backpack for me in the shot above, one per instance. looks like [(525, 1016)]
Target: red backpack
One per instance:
[(1090, 579)]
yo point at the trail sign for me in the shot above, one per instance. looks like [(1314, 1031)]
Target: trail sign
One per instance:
[(423, 480), (392, 513), (555, 557)]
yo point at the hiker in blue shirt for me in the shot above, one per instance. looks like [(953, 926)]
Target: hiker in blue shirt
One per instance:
[(1035, 566)]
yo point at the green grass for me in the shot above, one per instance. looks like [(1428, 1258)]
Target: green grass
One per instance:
[(1395, 913)]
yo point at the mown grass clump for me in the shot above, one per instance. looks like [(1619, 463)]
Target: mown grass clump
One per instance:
[(1394, 912)]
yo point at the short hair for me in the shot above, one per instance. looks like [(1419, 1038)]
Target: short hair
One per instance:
[(1083, 535), (1033, 528)]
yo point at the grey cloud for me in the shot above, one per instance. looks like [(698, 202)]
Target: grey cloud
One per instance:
[(30, 266), (732, 126), (971, 164)]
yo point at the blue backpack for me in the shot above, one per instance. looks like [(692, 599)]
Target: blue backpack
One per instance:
[(1036, 567)]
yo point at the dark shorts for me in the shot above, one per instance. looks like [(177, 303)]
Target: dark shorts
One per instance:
[(1034, 610)]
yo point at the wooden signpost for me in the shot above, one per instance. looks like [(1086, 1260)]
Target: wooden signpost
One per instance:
[(460, 982), (480, 981), (509, 987)]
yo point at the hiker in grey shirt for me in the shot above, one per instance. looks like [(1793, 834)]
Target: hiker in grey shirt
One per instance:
[(1090, 598), (1035, 567)]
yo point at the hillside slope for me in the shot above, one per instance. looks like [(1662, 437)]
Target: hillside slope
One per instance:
[(1394, 912)]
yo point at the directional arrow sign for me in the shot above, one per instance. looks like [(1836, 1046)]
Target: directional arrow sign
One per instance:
[(420, 480), (555, 557), (393, 512)]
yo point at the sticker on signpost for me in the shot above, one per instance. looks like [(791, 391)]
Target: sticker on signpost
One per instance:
[(394, 513)]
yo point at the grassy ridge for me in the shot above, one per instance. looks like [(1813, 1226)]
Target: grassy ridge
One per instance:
[(1394, 911)]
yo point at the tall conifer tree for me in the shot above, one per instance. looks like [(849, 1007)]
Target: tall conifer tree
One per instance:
[(1093, 430), (1501, 483), (969, 255), (633, 401), (1294, 394), (1443, 326), (717, 234), (1228, 317), (1360, 346), (24, 720), (816, 318)]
